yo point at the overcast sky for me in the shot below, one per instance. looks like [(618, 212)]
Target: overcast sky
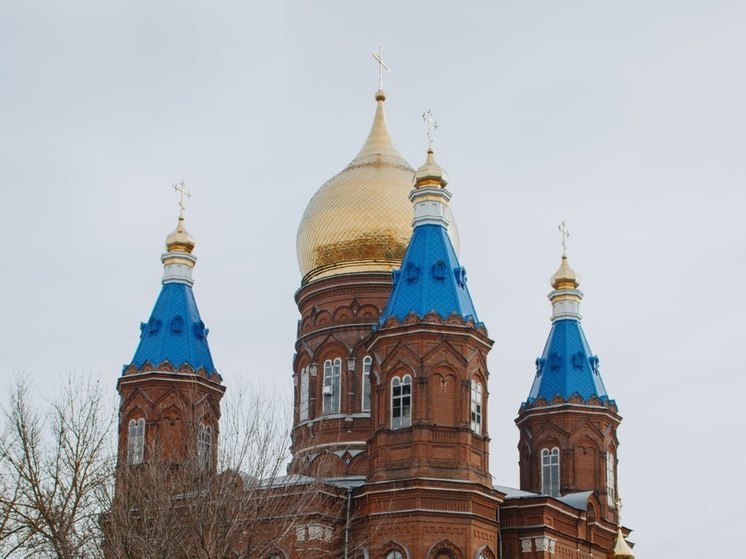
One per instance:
[(625, 119)]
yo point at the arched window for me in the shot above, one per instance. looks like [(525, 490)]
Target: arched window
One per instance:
[(610, 479), (204, 444), (395, 554), (365, 406), (135, 441), (331, 389), (476, 407), (550, 471), (303, 407), (401, 402), (590, 513)]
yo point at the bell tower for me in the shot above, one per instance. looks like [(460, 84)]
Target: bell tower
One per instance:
[(568, 424), (170, 392)]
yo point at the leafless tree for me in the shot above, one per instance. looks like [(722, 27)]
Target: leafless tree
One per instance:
[(53, 464), (243, 505), (64, 496)]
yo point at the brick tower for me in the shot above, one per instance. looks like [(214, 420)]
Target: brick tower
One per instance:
[(170, 392), (354, 232), (568, 424), (429, 448)]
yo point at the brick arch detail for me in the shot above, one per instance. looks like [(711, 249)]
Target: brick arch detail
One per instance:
[(329, 463), (447, 546), (323, 318), (444, 352), (586, 429), (402, 353), (326, 350), (486, 551), (394, 545)]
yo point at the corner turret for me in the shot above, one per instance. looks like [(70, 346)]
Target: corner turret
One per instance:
[(170, 391), (568, 423)]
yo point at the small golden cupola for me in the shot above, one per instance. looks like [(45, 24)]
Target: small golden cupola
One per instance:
[(430, 173), (565, 277), (621, 549), (179, 240)]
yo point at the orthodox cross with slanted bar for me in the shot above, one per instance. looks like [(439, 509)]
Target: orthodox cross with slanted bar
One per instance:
[(182, 190), (564, 233), (431, 127), (381, 66)]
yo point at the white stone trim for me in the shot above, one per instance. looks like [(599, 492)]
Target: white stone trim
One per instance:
[(179, 271), (545, 543), (566, 309), (430, 213)]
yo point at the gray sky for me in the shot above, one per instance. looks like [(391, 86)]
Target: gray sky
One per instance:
[(625, 119)]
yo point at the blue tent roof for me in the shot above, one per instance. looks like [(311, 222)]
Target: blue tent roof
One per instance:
[(567, 366), (175, 332), (430, 279)]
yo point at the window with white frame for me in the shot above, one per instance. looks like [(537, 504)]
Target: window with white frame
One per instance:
[(395, 554), (401, 402), (550, 469), (365, 406), (476, 407), (204, 444), (303, 407), (610, 479), (331, 389), (135, 441)]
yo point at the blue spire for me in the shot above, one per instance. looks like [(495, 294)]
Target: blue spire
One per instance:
[(175, 332), (431, 278), (567, 366)]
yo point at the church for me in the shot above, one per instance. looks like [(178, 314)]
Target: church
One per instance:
[(391, 386)]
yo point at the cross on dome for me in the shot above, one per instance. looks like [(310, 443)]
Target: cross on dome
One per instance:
[(181, 188), (432, 125), (564, 233), (378, 56)]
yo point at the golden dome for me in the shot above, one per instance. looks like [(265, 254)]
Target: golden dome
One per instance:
[(179, 240), (430, 173), (360, 220), (565, 277), (622, 549)]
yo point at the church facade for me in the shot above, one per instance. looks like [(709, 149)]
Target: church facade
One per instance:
[(391, 386)]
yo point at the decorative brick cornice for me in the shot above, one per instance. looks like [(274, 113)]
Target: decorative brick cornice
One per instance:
[(573, 400), (434, 318), (168, 368)]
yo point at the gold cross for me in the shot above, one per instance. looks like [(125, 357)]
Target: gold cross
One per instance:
[(431, 126), (182, 190), (564, 233), (619, 511), (381, 66)]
